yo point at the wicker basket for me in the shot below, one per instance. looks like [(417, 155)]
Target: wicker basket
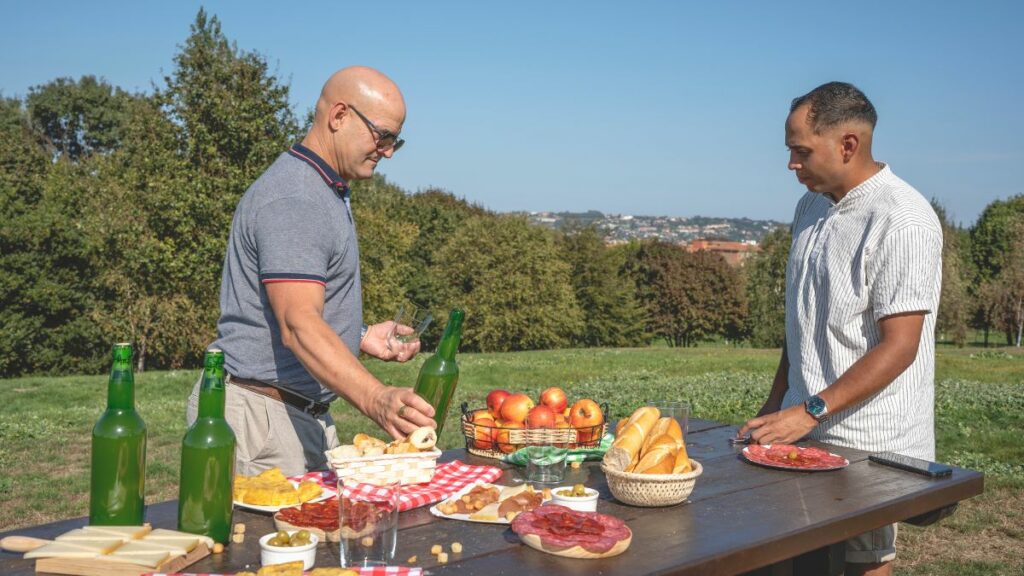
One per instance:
[(409, 468), (484, 440), (652, 489)]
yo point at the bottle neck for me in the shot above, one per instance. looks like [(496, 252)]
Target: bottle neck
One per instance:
[(449, 344), (211, 393), (121, 388)]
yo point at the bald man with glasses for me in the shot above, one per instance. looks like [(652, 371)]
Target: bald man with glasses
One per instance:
[(291, 324)]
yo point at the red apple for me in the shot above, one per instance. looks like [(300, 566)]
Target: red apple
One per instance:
[(554, 398), (483, 432), (516, 407), (494, 401), (503, 438), (540, 416), (562, 424), (586, 417)]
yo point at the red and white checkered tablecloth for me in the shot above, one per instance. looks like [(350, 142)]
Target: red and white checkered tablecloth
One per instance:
[(375, 571), (449, 478)]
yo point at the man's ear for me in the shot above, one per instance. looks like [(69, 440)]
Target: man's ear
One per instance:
[(338, 112), (850, 143)]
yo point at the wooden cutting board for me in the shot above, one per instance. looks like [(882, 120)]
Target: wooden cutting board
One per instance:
[(100, 567)]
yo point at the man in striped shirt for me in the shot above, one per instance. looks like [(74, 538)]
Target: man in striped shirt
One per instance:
[(862, 292)]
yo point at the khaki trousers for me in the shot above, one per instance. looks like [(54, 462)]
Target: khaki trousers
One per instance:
[(270, 433)]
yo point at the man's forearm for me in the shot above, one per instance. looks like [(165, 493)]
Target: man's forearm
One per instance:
[(869, 375), (330, 362)]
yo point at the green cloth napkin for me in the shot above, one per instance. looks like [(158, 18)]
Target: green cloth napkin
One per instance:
[(519, 457)]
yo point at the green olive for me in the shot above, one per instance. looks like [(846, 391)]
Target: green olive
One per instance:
[(303, 534), (283, 535), (276, 541), (299, 541)]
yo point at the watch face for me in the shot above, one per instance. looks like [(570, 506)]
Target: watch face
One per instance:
[(815, 406)]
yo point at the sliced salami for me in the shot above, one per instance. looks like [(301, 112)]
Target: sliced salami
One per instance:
[(789, 457), (561, 529)]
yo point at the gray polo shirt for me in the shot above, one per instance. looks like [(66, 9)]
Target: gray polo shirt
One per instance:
[(875, 253), (292, 225)]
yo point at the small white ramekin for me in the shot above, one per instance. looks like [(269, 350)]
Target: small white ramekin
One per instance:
[(586, 503), (280, 554)]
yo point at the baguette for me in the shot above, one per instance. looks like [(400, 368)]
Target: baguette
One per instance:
[(682, 464), (665, 425), (625, 451), (660, 459)]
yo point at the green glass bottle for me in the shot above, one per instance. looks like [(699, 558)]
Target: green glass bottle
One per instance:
[(208, 460), (118, 475), (439, 375)]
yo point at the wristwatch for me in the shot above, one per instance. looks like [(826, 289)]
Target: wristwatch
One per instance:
[(816, 407)]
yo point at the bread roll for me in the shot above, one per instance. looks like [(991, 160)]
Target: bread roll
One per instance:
[(666, 425)]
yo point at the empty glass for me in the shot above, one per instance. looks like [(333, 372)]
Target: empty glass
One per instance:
[(410, 322), (545, 461), (678, 409), (368, 516)]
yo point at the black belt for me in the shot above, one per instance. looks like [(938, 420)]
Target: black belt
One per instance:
[(311, 407)]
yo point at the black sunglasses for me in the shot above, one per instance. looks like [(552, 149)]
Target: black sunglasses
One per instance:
[(385, 139)]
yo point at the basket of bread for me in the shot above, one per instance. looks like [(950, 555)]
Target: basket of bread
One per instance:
[(647, 464), (369, 460), (513, 420)]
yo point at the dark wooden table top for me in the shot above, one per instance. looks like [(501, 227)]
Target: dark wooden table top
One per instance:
[(740, 517)]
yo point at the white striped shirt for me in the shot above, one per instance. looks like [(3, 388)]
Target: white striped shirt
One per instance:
[(875, 253)]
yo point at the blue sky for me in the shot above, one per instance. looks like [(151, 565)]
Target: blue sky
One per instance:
[(672, 108)]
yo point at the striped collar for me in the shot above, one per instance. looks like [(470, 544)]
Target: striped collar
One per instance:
[(331, 177)]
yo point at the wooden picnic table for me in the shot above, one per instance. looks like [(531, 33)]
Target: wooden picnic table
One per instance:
[(740, 518)]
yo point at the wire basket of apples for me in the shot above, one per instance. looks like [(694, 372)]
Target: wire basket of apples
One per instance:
[(513, 420)]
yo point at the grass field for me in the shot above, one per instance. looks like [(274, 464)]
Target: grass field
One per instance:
[(45, 428)]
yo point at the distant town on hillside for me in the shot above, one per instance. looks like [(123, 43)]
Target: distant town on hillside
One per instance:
[(735, 239), (619, 228)]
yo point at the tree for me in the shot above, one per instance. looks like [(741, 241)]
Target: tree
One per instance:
[(612, 316), (954, 305), (45, 269), (385, 243), (76, 119), (508, 277), (689, 296), (766, 290), (993, 239)]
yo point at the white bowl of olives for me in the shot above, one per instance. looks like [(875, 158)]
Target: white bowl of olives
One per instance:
[(289, 546), (578, 497)]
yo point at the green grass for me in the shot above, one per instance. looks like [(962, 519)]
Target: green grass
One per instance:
[(45, 428)]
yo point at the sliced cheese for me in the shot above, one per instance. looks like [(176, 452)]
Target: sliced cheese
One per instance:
[(510, 491), (165, 534), (488, 513), (125, 532), (80, 549), (81, 534), (184, 544), (151, 559), (141, 547)]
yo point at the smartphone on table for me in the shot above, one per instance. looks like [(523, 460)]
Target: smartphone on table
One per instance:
[(911, 464)]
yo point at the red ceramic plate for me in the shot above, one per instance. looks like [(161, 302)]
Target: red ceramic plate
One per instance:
[(789, 457)]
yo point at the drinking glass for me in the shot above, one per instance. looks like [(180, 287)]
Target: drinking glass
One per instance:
[(678, 409), (410, 321), (368, 515), (545, 461)]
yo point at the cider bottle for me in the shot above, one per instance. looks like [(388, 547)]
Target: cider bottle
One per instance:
[(118, 474), (439, 375), (208, 460)]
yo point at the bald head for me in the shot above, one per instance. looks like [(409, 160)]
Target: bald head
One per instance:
[(358, 118), (365, 88)]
